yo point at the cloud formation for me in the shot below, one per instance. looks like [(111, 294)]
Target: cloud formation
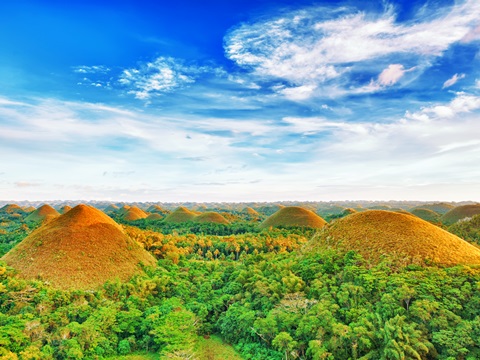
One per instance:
[(453, 80), (162, 75), (319, 45)]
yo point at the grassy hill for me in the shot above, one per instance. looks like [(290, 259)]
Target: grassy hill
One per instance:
[(134, 213), (80, 249), (211, 217), (376, 232), (179, 215), (426, 214), (293, 216), (42, 214), (459, 213)]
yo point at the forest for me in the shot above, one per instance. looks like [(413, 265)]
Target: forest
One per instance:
[(261, 291)]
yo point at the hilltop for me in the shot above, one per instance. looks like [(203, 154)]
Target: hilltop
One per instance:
[(42, 214), (459, 213), (211, 217), (293, 216), (375, 233), (179, 215), (80, 249)]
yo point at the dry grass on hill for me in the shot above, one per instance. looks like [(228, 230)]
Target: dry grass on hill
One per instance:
[(180, 215), (65, 209), (293, 216), (134, 213), (459, 213), (81, 249), (427, 215), (44, 213), (154, 216), (110, 208), (441, 208), (211, 217), (375, 233)]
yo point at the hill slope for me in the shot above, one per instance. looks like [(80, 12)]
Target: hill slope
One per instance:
[(180, 215), (211, 217), (134, 213), (80, 249), (459, 213), (43, 213), (376, 232), (293, 216)]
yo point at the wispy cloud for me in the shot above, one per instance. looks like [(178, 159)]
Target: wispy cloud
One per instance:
[(94, 69), (163, 75), (313, 47), (453, 80)]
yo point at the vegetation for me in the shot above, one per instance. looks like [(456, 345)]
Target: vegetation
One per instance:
[(256, 294), (43, 213), (459, 213), (293, 216), (80, 249), (427, 215), (376, 233), (468, 229)]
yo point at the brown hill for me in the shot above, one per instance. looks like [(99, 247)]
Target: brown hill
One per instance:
[(211, 217), (65, 209), (29, 209), (110, 208), (459, 213), (123, 209), (154, 216), (441, 208), (43, 214), (427, 215), (134, 213), (12, 209), (293, 216), (80, 249), (180, 215), (250, 211), (377, 232)]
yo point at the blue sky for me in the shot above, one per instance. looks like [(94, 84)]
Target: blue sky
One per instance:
[(240, 100)]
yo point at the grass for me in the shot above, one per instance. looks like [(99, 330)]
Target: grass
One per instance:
[(427, 215), (293, 216), (180, 215), (211, 217), (212, 348), (375, 233), (45, 212), (459, 213), (81, 249), (441, 208), (134, 213)]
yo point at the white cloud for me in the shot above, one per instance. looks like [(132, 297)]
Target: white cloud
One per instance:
[(453, 80), (391, 75), (319, 45), (84, 69), (160, 76)]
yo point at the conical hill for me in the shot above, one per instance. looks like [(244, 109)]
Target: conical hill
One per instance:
[(459, 213), (134, 213), (179, 215), (426, 214), (65, 209), (42, 214), (81, 249), (375, 233), (293, 216), (211, 217)]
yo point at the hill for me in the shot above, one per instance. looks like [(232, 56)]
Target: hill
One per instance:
[(154, 216), (440, 208), (293, 216), (250, 211), (468, 229), (426, 214), (42, 214), (12, 209), (179, 215), (81, 249), (211, 217), (110, 208), (65, 209), (459, 213), (134, 213), (377, 232)]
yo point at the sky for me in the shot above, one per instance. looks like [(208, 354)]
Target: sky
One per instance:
[(240, 100)]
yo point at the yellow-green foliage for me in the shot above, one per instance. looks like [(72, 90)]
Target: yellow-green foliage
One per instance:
[(180, 215), (210, 217), (459, 213), (80, 249), (43, 213), (427, 215), (110, 208), (293, 216), (377, 232), (65, 209)]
